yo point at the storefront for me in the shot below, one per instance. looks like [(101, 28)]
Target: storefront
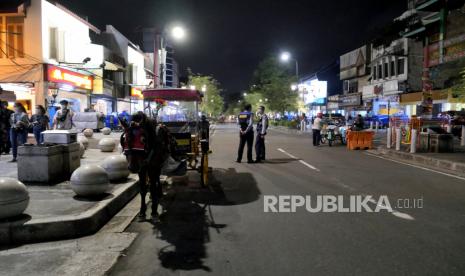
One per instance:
[(333, 104), (443, 100), (352, 104), (137, 100), (65, 84), (103, 103), (19, 92), (383, 98)]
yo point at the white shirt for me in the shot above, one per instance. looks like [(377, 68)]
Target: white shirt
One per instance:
[(317, 124)]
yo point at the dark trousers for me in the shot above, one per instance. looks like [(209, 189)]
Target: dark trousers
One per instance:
[(245, 138), (316, 137), (17, 138), (38, 134), (260, 147)]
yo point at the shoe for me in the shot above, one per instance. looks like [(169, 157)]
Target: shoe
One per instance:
[(258, 161), (250, 162), (238, 161), (13, 160)]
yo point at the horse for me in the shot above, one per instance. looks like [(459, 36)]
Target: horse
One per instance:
[(146, 146)]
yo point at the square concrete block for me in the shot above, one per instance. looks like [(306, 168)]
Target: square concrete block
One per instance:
[(40, 164)]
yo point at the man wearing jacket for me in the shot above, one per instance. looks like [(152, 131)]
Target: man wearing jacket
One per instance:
[(245, 120)]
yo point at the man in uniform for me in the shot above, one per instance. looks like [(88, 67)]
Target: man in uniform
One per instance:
[(262, 126), (245, 120)]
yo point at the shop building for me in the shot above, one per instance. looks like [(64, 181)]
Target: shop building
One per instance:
[(355, 73), (47, 54), (439, 26), (396, 68)]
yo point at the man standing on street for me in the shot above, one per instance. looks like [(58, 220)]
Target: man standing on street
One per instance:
[(245, 133), (64, 117), (262, 126), (5, 126), (316, 130)]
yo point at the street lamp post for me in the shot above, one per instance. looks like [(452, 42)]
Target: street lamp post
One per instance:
[(285, 57)]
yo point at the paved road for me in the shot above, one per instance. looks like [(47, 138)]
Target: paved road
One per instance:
[(234, 236)]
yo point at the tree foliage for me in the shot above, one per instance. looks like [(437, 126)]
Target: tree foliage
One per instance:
[(272, 84), (213, 103)]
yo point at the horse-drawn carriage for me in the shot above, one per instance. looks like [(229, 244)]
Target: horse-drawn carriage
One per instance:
[(178, 110)]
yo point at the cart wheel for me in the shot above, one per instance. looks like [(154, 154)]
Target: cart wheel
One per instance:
[(204, 170), (323, 139)]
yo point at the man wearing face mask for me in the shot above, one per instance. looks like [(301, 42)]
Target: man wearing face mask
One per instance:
[(63, 119), (262, 126)]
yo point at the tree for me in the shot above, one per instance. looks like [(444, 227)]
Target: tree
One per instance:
[(213, 103), (272, 84)]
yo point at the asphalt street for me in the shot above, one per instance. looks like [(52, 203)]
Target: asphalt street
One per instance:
[(225, 231)]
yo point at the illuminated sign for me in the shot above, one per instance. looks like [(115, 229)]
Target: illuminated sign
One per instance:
[(314, 91), (135, 92), (68, 77)]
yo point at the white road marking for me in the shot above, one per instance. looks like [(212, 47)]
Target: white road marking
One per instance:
[(394, 212), (300, 161), (415, 166)]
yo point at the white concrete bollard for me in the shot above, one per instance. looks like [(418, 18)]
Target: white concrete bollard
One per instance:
[(398, 138), (413, 141), (376, 126), (116, 167), (84, 141), (88, 132), (90, 180), (462, 140), (389, 135), (371, 125), (106, 131), (107, 144), (14, 197)]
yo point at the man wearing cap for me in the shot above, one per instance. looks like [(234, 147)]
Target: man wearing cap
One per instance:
[(262, 126), (63, 119)]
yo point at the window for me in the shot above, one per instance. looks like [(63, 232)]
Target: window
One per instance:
[(14, 36), (380, 71), (393, 68), (374, 72), (386, 71), (53, 49), (400, 66)]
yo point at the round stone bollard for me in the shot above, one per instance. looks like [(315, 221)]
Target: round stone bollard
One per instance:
[(82, 149), (88, 132), (14, 197), (116, 167), (89, 180), (106, 131), (84, 141), (107, 144)]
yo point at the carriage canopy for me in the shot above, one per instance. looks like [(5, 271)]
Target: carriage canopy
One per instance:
[(173, 94)]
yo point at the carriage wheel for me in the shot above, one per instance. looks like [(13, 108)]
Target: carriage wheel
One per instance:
[(204, 170)]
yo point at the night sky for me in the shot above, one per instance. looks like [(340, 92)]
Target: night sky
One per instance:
[(227, 39)]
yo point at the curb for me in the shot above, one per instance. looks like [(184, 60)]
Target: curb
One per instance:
[(71, 226), (456, 167)]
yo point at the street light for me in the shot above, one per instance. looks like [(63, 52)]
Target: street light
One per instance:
[(294, 87), (245, 94), (178, 32), (192, 87), (286, 57), (204, 88)]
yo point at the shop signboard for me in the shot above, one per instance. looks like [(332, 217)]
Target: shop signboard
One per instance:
[(426, 110), (136, 92), (350, 100), (67, 77)]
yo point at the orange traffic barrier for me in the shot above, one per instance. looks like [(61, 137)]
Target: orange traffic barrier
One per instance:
[(359, 139)]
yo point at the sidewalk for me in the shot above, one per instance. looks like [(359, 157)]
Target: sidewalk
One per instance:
[(56, 213), (451, 162)]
